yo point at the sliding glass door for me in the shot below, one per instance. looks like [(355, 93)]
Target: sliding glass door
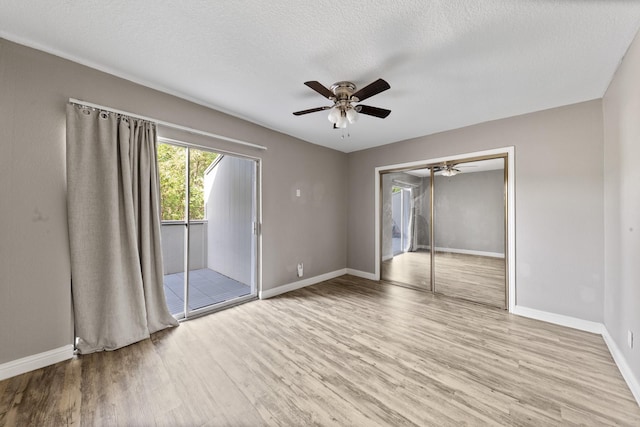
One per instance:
[(209, 232)]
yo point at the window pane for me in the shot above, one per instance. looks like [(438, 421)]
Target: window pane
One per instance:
[(171, 168), (199, 162)]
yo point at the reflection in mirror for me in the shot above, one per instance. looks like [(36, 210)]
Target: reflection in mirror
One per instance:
[(469, 231), (405, 211)]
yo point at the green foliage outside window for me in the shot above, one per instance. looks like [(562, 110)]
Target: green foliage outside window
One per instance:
[(171, 168)]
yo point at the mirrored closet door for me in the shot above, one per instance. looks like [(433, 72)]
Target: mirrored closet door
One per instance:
[(405, 227), (442, 229), (469, 231)]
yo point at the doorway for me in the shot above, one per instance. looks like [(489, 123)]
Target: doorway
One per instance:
[(458, 227), (401, 219), (209, 204)]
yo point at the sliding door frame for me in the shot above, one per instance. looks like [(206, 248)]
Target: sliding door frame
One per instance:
[(509, 173), (257, 230)]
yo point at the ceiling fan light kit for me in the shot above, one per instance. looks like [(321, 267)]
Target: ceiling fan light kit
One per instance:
[(352, 115), (450, 170), (344, 95), (340, 116)]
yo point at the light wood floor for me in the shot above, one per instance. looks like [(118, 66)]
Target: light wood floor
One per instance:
[(409, 268), (345, 352), (472, 277)]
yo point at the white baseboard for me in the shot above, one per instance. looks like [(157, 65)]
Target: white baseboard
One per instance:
[(36, 361), (470, 252), (623, 366), (463, 251), (362, 274), (269, 293), (588, 326), (559, 319)]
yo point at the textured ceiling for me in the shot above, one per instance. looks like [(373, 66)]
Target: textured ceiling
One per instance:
[(450, 63)]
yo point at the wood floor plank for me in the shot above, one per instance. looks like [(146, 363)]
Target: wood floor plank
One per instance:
[(344, 352)]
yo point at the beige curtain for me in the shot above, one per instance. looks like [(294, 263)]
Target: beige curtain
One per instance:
[(114, 229)]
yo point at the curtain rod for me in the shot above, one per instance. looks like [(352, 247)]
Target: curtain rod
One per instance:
[(206, 148), (167, 124)]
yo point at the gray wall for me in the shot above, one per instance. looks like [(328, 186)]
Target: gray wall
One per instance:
[(559, 203), (230, 212), (469, 211), (35, 304), (621, 107)]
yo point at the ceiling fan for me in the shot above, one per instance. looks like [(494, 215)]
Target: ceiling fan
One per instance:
[(344, 95)]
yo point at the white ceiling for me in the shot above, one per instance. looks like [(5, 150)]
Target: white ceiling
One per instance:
[(450, 63)]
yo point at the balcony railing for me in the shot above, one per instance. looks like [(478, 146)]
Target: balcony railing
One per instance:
[(173, 245)]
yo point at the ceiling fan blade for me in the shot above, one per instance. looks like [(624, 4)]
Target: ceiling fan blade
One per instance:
[(318, 87), (373, 111), (372, 89), (310, 110)]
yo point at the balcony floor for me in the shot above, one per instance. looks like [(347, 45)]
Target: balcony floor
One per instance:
[(207, 287)]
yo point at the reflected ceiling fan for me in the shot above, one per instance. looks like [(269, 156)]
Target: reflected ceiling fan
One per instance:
[(344, 95), (452, 169)]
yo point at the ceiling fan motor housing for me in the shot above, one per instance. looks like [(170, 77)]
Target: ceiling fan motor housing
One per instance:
[(343, 91)]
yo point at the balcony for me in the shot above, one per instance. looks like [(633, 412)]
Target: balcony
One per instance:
[(207, 285)]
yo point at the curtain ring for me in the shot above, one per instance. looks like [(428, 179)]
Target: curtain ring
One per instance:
[(104, 115)]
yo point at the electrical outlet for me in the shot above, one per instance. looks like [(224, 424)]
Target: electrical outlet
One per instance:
[(300, 269), (630, 339)]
